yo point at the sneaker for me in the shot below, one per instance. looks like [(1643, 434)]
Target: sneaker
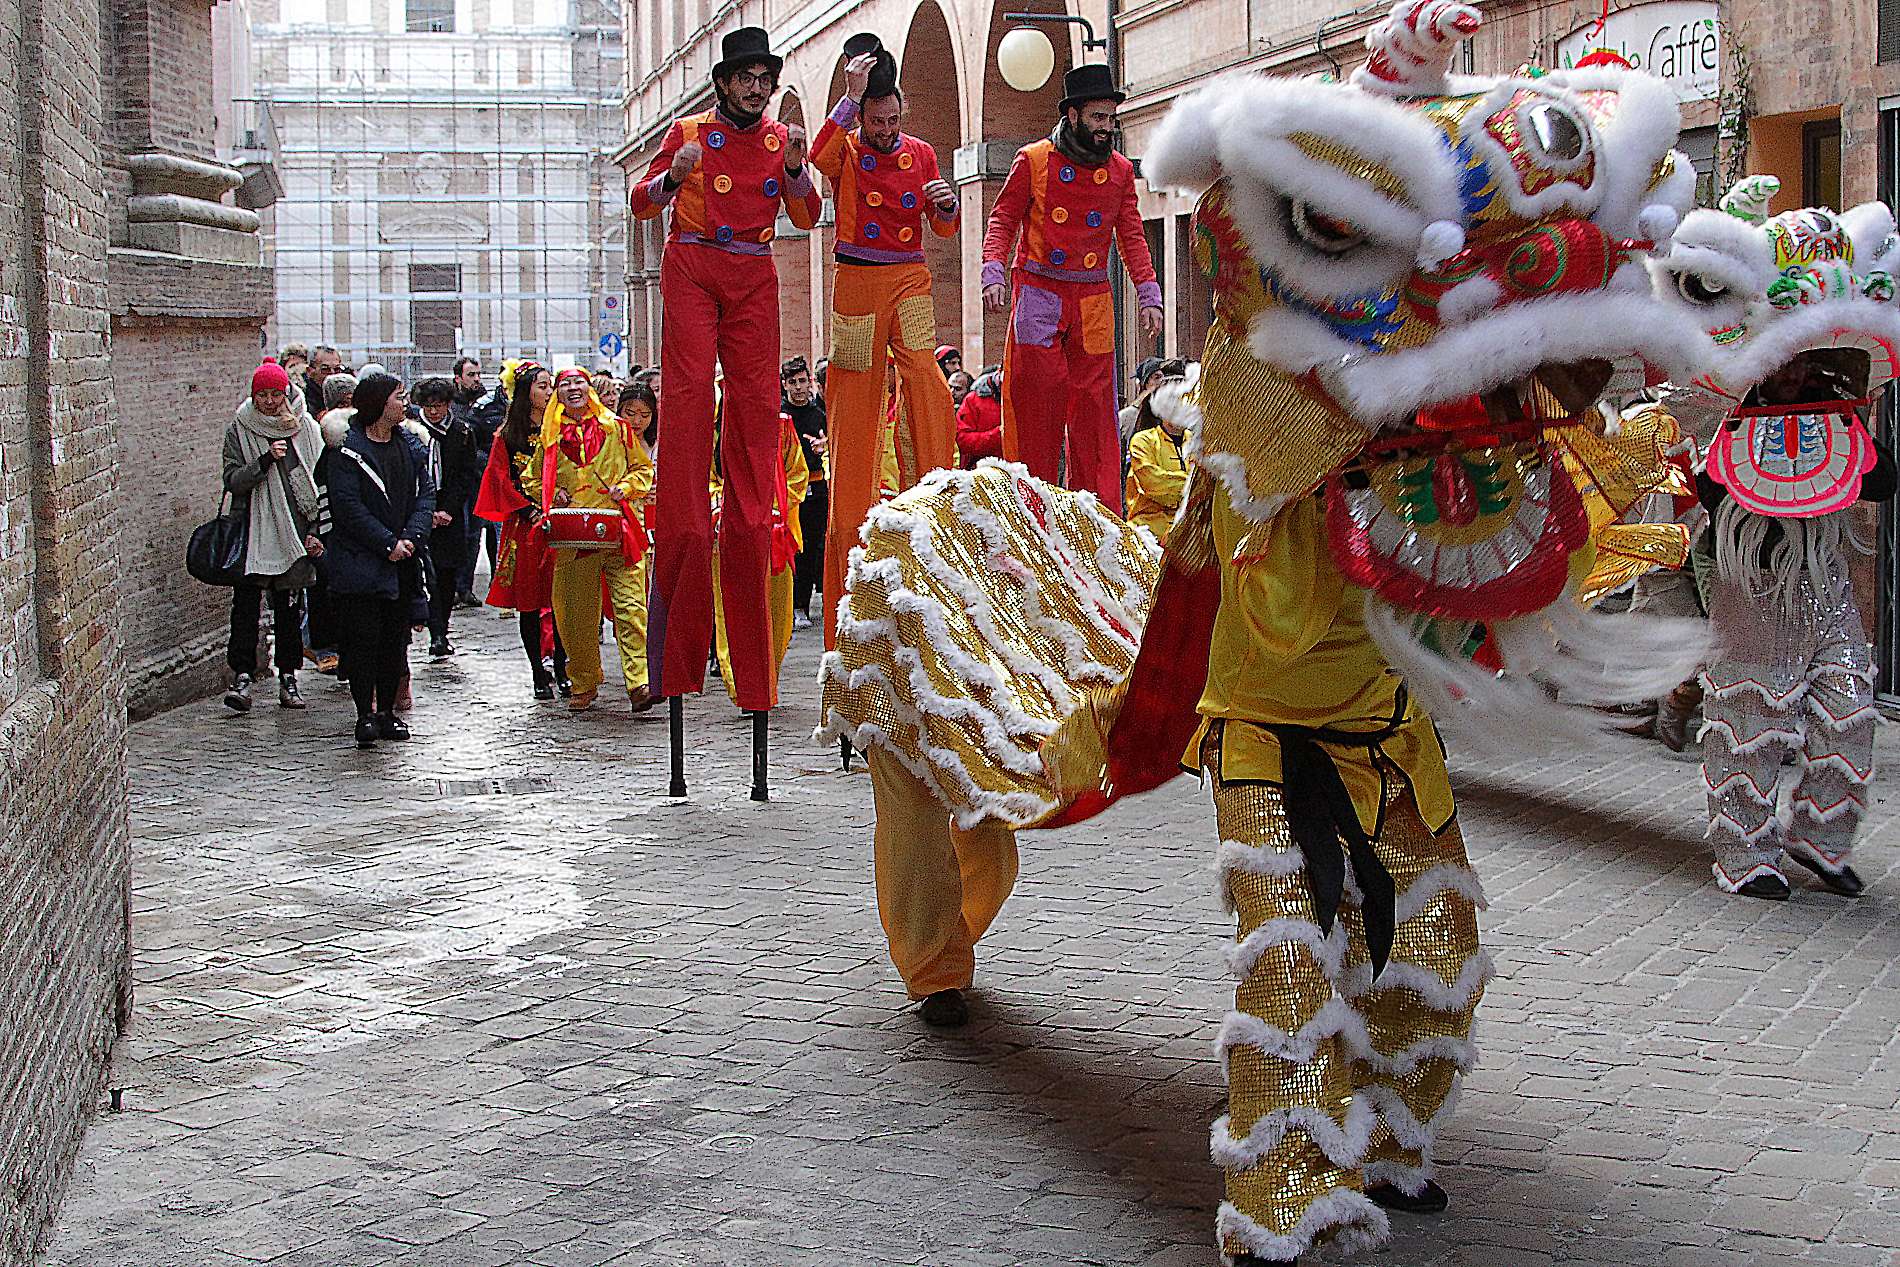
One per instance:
[(288, 696), (390, 726), (365, 732), (238, 698), (441, 649), (800, 620)]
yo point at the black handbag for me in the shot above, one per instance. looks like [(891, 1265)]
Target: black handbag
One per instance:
[(216, 552)]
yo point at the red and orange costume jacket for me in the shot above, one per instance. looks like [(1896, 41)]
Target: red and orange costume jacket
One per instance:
[(1068, 213), (731, 200), (879, 197)]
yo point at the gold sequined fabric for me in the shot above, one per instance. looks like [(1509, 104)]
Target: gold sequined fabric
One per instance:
[(1335, 1080), (981, 607)]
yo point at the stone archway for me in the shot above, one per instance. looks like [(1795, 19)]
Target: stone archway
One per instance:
[(933, 112)]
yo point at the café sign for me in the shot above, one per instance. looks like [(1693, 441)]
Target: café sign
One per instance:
[(1678, 41)]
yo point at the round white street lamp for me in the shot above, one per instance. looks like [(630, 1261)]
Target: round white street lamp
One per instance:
[(1026, 58)]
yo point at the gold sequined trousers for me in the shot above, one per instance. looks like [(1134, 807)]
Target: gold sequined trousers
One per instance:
[(1336, 1081)]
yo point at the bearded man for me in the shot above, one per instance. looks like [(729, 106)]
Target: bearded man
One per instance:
[(725, 172), (1069, 196)]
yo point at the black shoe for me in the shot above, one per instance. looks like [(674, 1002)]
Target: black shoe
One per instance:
[(238, 698), (365, 732), (1847, 882), (544, 690), (944, 1009), (1254, 1260), (1430, 1200), (288, 696), (467, 601), (1771, 887), (441, 650), (564, 688), (390, 726)]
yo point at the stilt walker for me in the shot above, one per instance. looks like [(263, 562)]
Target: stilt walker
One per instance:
[(1067, 198), (725, 173), (888, 192)]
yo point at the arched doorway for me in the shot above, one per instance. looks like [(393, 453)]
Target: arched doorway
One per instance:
[(933, 112)]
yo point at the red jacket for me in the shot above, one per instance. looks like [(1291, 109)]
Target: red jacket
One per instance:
[(1066, 214), (879, 197), (979, 428), (731, 200)]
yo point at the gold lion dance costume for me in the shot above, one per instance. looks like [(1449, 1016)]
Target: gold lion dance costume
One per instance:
[(1419, 284), (1805, 334)]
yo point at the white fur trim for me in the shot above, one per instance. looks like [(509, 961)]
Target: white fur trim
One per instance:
[(1870, 227), (1747, 835), (1658, 221), (1833, 864), (1734, 886), (1428, 985), (1752, 791), (1344, 1145), (1258, 859), (1406, 1128), (1740, 747), (1445, 876), (1507, 344), (1355, 1222), (1230, 470), (1410, 1180), (1441, 240), (1336, 1018), (1849, 806), (1841, 765), (1470, 300), (1328, 949)]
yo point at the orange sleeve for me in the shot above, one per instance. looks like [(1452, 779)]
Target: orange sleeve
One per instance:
[(650, 195)]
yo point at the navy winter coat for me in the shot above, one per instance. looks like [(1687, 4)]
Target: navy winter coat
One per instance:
[(367, 522)]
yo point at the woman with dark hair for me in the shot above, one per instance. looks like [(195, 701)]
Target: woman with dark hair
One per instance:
[(524, 565), (382, 507)]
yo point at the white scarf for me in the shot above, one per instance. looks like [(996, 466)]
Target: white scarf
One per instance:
[(276, 541)]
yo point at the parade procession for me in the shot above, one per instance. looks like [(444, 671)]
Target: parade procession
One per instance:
[(1312, 546)]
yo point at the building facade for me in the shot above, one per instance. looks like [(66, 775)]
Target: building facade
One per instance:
[(446, 182)]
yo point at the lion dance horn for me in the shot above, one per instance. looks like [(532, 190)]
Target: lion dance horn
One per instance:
[(1411, 49), (1748, 199)]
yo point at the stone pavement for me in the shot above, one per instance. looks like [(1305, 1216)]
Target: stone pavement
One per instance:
[(401, 1007)]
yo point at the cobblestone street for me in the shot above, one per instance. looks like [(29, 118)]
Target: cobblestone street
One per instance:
[(493, 999)]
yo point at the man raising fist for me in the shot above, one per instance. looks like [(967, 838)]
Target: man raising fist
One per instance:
[(725, 172)]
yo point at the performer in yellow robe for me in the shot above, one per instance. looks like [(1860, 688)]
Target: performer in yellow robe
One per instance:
[(788, 538), (1157, 473), (586, 457)]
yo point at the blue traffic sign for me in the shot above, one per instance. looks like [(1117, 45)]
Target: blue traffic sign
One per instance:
[(612, 344)]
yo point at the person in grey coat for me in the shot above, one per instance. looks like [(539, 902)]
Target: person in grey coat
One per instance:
[(270, 457)]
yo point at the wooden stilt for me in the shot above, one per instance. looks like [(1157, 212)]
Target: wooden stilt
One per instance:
[(759, 789), (676, 723)]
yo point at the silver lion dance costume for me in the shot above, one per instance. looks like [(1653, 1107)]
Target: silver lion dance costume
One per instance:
[(1800, 309), (1422, 286)]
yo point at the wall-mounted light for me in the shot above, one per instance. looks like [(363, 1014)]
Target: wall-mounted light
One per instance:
[(1026, 58)]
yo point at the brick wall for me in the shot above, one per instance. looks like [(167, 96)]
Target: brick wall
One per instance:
[(64, 871), (185, 337)]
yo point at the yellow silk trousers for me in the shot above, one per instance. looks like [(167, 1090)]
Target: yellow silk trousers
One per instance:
[(578, 575), (778, 599), (938, 887), (1335, 1081)]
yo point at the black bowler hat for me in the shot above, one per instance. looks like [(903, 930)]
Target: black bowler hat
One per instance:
[(1089, 83), (743, 47), (884, 73)]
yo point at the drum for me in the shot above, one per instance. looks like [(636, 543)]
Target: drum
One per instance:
[(583, 528)]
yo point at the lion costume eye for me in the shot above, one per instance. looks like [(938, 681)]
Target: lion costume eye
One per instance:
[(1557, 134), (1699, 290), (1324, 233)]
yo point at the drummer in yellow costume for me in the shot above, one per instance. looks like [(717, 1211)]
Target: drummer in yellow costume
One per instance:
[(587, 457), (1157, 471), (788, 538)]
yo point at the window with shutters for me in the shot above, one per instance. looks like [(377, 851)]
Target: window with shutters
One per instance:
[(1887, 18)]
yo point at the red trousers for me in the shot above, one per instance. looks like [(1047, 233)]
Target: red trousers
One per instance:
[(1059, 385), (880, 316), (718, 307)]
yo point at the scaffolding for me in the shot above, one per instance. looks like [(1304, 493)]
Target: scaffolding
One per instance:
[(448, 186)]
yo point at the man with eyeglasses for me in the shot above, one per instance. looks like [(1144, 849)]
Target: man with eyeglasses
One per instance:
[(725, 172), (1068, 196)]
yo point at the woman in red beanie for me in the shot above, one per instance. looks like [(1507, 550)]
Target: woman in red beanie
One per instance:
[(270, 458)]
